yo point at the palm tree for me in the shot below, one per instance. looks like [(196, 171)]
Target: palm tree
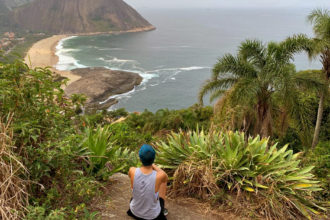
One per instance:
[(260, 83), (320, 19)]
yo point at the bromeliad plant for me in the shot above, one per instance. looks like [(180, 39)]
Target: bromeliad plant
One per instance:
[(207, 163), (102, 152)]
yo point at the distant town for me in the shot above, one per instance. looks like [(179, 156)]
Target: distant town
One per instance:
[(15, 44), (9, 40)]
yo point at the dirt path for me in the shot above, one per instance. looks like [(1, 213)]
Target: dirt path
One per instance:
[(114, 203)]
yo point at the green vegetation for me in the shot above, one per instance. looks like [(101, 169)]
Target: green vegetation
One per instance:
[(20, 50), (101, 150), (206, 164), (250, 153), (320, 19), (260, 88)]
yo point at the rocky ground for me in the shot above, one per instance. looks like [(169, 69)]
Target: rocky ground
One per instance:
[(114, 202), (98, 84)]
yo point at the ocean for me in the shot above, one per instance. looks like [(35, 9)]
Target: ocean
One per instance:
[(176, 58)]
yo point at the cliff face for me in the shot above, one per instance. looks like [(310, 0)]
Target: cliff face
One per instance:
[(4, 13), (78, 16), (11, 4)]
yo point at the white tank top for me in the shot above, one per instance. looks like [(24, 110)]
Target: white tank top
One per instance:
[(145, 203)]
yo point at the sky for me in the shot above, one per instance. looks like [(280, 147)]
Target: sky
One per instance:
[(229, 3)]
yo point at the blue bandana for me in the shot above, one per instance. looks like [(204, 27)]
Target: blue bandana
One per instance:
[(147, 155)]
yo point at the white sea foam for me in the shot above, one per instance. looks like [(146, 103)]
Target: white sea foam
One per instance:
[(193, 68), (145, 75), (109, 49), (119, 96), (181, 69), (65, 59), (164, 75)]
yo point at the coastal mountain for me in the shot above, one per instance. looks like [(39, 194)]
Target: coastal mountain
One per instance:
[(11, 4), (5, 22), (77, 16)]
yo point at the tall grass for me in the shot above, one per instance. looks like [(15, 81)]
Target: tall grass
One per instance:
[(268, 179), (13, 189)]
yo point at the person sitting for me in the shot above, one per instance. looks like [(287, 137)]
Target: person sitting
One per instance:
[(149, 185)]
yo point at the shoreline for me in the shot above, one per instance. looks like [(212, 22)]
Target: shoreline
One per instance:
[(43, 53)]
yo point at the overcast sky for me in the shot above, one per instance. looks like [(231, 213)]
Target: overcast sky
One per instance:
[(228, 3)]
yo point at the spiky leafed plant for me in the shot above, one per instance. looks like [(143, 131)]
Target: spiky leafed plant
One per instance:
[(261, 81), (102, 151), (320, 19), (271, 175)]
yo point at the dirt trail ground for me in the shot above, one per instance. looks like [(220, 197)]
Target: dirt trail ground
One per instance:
[(114, 203)]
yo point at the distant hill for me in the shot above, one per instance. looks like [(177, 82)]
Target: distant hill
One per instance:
[(11, 4), (5, 23), (71, 16)]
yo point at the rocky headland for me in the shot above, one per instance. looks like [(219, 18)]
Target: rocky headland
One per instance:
[(98, 84)]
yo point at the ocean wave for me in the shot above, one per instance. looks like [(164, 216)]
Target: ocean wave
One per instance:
[(65, 59), (167, 74), (190, 68), (164, 75), (109, 49), (194, 68), (146, 76), (119, 96), (116, 60)]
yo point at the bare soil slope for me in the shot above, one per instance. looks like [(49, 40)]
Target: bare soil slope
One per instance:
[(79, 16)]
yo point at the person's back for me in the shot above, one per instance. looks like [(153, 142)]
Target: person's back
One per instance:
[(149, 185), (145, 202)]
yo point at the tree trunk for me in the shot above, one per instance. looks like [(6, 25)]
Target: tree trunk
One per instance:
[(318, 121), (325, 57), (263, 128)]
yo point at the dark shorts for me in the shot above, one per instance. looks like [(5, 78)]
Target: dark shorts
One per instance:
[(161, 215)]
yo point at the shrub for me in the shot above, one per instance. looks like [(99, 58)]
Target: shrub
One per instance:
[(124, 136), (320, 158), (164, 119), (279, 187), (40, 108), (46, 136), (104, 117), (102, 151), (39, 213)]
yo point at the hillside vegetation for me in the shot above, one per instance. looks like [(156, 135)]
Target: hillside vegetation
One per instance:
[(251, 154)]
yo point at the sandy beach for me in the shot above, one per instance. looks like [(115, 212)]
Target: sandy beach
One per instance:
[(42, 54)]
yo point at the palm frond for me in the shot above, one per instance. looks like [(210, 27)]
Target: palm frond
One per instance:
[(216, 94), (310, 80), (236, 66), (320, 19), (245, 91), (213, 85), (295, 44), (253, 51)]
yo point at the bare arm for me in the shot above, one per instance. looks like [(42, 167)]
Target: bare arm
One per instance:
[(155, 168), (162, 173), (131, 173)]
